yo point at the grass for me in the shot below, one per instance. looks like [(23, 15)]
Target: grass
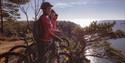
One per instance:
[(3, 38)]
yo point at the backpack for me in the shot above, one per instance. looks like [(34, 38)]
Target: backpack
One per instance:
[(37, 30)]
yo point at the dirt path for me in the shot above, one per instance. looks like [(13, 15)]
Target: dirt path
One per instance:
[(6, 45)]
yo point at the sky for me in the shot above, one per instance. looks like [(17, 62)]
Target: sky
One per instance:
[(83, 12)]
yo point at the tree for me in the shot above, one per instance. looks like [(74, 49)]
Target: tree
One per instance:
[(13, 28), (95, 37), (35, 4), (1, 17), (10, 9), (35, 7)]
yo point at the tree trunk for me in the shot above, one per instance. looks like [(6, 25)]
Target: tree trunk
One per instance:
[(1, 17)]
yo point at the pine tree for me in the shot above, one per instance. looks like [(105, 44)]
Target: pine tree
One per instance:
[(10, 10)]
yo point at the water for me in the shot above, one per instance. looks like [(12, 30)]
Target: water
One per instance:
[(119, 44), (98, 60)]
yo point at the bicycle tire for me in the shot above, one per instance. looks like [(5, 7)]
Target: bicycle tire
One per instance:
[(65, 42), (33, 52), (8, 57), (28, 52), (18, 47), (27, 48)]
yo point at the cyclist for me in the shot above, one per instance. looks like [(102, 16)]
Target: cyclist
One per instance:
[(53, 17), (47, 27)]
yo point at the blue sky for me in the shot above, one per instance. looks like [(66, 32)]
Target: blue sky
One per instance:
[(84, 11)]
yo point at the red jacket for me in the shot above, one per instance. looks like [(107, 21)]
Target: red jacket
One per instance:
[(55, 28), (53, 19), (47, 26)]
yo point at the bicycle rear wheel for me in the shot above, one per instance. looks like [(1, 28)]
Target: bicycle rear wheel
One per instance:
[(12, 57), (28, 51)]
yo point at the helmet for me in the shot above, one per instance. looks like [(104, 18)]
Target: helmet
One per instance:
[(46, 4)]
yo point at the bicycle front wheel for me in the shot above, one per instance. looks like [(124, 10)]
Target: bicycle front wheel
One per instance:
[(65, 42)]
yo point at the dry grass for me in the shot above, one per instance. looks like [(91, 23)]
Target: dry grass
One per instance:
[(6, 45), (3, 38), (2, 60)]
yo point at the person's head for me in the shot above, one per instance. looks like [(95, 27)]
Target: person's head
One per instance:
[(46, 7), (54, 14)]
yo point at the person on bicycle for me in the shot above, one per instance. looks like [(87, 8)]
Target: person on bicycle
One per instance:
[(47, 27), (53, 17), (46, 23)]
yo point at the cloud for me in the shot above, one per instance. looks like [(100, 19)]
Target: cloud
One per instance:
[(73, 3), (69, 4), (63, 5), (78, 3)]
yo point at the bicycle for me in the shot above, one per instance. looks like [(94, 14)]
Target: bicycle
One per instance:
[(26, 44), (29, 49)]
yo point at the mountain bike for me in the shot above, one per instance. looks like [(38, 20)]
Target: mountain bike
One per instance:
[(31, 51)]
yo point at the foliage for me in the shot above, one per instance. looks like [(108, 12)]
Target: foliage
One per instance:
[(12, 28), (10, 8), (95, 37), (19, 1)]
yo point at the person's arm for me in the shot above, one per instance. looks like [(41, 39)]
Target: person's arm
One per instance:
[(47, 29)]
